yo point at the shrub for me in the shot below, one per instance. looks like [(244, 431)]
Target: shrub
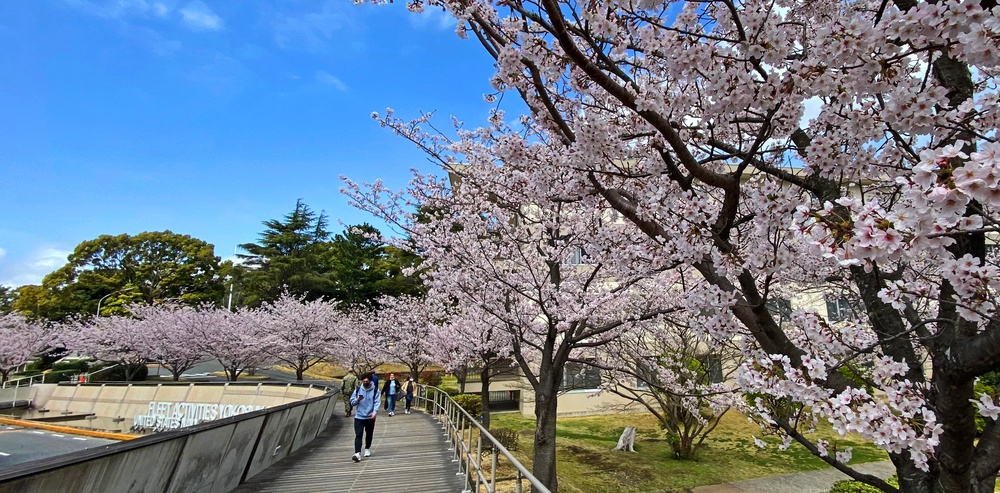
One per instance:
[(56, 376), (117, 374), (432, 378), (851, 486), (506, 436), (80, 365), (472, 404)]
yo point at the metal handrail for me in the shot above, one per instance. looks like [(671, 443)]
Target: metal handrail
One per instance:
[(458, 428), (19, 382), (88, 376)]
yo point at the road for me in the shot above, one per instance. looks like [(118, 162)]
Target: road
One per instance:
[(19, 445)]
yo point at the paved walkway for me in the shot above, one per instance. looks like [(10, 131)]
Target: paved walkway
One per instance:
[(803, 482), (409, 453)]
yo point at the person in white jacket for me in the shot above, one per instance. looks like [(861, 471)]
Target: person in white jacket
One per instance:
[(366, 400)]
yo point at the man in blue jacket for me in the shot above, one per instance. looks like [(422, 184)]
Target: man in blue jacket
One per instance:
[(366, 399)]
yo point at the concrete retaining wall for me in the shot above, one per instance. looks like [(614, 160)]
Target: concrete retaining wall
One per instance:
[(215, 456)]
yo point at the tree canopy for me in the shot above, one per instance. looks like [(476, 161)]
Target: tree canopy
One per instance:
[(109, 271), (757, 150), (297, 255), (292, 254)]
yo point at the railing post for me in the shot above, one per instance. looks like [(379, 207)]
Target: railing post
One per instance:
[(517, 485), (478, 459), (493, 471)]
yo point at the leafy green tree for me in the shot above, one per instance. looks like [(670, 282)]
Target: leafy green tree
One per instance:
[(7, 297), (365, 268), (292, 255), (110, 271)]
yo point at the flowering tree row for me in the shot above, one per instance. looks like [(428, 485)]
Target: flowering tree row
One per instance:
[(751, 149), (21, 340), (290, 332)]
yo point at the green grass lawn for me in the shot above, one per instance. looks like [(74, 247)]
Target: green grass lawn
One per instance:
[(587, 463)]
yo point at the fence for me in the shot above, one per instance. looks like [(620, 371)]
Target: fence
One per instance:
[(211, 457), (461, 429)]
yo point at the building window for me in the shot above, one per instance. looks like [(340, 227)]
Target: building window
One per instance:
[(577, 257), (839, 310), (781, 309), (712, 366), (579, 376)]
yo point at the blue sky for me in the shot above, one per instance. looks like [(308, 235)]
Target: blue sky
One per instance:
[(208, 117)]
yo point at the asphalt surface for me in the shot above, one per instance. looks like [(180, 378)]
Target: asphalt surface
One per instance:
[(18, 445)]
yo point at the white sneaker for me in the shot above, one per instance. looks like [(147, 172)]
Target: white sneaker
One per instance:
[(356, 457), (368, 453)]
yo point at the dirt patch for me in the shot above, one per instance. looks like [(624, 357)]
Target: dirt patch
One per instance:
[(628, 472)]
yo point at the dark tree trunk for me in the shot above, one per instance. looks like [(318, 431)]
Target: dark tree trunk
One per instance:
[(299, 371), (484, 395), (546, 404)]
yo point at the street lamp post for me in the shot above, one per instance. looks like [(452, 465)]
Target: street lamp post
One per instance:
[(127, 288), (101, 300)]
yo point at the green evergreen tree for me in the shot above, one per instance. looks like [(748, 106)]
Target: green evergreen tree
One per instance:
[(292, 254)]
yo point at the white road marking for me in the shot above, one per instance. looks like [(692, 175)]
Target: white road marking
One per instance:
[(4, 454), (58, 435), (39, 432), (78, 438)]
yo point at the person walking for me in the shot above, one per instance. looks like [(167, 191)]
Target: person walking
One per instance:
[(390, 390), (347, 386), (409, 389), (366, 398)]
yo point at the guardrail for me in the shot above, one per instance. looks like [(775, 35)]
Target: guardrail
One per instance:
[(213, 456), (459, 427), (23, 381)]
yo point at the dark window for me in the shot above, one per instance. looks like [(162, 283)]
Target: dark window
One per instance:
[(781, 309), (580, 376), (838, 310), (712, 366)]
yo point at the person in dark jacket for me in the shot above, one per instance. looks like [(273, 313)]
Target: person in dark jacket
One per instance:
[(410, 390)]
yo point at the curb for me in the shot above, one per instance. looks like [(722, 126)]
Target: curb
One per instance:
[(66, 429)]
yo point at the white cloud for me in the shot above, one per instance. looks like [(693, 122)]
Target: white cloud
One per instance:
[(313, 31), (120, 9), (32, 269), (197, 15), (3, 253), (433, 19), (327, 79)]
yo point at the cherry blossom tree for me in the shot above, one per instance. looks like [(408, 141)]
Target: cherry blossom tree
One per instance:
[(354, 341), (769, 146), (119, 339), (677, 376), (239, 340), (404, 323), (301, 329), (21, 340), (466, 342), (516, 253), (175, 335)]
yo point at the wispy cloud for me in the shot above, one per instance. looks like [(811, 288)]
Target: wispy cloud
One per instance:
[(197, 15), (119, 9), (312, 31), (3, 253), (327, 79), (151, 40), (433, 19), (224, 75), (32, 269)]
